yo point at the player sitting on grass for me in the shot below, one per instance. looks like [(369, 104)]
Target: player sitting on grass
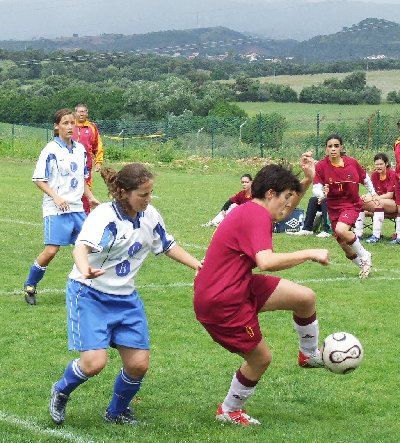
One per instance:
[(228, 296)]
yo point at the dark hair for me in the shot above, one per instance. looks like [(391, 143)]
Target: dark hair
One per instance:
[(278, 178), (247, 176), (382, 156), (129, 178), (59, 115), (334, 136)]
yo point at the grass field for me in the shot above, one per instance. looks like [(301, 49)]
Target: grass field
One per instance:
[(386, 81), (190, 374)]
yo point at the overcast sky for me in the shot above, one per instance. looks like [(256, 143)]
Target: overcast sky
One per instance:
[(27, 19)]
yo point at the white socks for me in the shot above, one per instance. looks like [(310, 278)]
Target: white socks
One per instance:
[(377, 223), (359, 224), (308, 337), (237, 395)]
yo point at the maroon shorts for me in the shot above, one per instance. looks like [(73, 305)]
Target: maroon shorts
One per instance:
[(347, 216), (397, 192), (243, 333)]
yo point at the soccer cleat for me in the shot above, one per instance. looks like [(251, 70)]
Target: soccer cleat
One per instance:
[(301, 232), (209, 224), (365, 265), (395, 241), (311, 361), (373, 239), (58, 403), (236, 417), (126, 418), (323, 234), (30, 294)]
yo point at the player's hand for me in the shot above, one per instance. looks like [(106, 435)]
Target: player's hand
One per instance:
[(307, 164), (320, 256), (325, 190), (62, 204), (92, 273), (93, 202), (97, 167)]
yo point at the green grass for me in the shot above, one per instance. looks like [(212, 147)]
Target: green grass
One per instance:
[(190, 374)]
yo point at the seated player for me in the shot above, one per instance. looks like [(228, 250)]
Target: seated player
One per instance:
[(238, 199), (315, 210), (383, 179)]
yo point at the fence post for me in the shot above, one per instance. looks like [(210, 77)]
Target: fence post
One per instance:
[(212, 136), (378, 124), (12, 134), (318, 138), (260, 130)]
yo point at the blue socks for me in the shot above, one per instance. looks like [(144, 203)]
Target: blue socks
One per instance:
[(36, 273), (72, 378), (125, 389)]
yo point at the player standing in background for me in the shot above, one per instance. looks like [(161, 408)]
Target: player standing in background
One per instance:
[(228, 297), (384, 182), (337, 178), (60, 173), (86, 132), (396, 241), (104, 308)]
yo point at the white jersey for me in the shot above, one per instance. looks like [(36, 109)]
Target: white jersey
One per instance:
[(119, 245), (64, 169)]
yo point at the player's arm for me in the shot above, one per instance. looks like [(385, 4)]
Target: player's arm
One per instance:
[(267, 260), (93, 202), (80, 253), (179, 254), (99, 152), (308, 166), (61, 203)]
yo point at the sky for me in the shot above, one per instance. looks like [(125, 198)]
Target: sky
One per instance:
[(27, 19)]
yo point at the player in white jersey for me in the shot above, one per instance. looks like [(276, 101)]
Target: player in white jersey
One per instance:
[(104, 308), (60, 173)]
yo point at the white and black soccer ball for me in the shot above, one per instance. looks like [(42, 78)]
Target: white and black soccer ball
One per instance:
[(342, 352)]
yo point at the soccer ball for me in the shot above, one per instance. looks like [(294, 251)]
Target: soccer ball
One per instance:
[(342, 352)]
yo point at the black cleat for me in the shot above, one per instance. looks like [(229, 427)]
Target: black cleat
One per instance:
[(126, 418), (30, 294), (58, 403)]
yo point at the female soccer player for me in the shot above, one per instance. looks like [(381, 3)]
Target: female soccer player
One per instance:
[(384, 181), (228, 296), (337, 178), (60, 173), (104, 309), (238, 199)]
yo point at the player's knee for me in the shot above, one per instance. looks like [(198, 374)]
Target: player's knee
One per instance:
[(137, 370), (309, 298), (265, 361), (94, 366)]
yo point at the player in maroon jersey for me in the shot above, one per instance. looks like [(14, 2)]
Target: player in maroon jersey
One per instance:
[(228, 296), (338, 178), (238, 199), (384, 181)]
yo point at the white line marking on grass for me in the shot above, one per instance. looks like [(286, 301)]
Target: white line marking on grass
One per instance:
[(19, 222), (32, 426)]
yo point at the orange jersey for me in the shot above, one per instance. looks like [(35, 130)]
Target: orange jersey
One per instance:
[(88, 134)]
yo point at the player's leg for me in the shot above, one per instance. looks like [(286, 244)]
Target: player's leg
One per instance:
[(85, 200), (77, 372), (290, 296), (243, 386), (127, 385)]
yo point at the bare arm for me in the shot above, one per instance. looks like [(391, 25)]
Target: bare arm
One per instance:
[(93, 202), (178, 254), (268, 260), (308, 166), (80, 254)]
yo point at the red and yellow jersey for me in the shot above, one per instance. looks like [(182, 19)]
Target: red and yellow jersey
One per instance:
[(397, 156), (88, 134)]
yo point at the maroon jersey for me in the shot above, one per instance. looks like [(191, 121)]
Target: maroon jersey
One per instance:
[(343, 183), (240, 198), (387, 184), (221, 287)]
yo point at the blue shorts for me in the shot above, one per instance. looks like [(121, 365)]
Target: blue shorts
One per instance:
[(97, 320), (63, 229)]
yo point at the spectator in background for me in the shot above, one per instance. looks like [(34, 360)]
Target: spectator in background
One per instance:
[(315, 210), (238, 199), (87, 134)]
